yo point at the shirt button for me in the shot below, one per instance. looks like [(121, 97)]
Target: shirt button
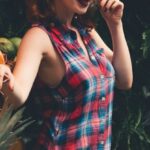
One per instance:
[(56, 131), (92, 57), (102, 142), (102, 76), (103, 98)]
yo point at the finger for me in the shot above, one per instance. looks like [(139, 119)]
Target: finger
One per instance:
[(109, 4), (11, 82), (5, 75), (1, 78), (117, 5), (102, 4), (9, 77), (6, 78)]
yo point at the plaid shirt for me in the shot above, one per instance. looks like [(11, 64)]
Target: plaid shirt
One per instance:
[(77, 113)]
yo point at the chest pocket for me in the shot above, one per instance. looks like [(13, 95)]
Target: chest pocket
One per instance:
[(104, 64)]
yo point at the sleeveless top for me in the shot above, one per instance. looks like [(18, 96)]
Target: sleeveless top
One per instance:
[(77, 113)]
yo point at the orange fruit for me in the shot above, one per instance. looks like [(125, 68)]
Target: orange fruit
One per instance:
[(2, 59)]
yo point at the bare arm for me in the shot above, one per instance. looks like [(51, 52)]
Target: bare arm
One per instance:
[(112, 12), (29, 57), (121, 58)]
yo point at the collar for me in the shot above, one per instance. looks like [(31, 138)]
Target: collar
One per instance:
[(62, 30)]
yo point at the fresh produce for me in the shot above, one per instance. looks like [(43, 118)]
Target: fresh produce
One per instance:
[(16, 41), (10, 46), (2, 59)]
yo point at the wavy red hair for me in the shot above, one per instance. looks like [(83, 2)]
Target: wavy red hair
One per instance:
[(41, 11)]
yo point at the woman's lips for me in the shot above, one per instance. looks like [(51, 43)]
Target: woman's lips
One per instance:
[(83, 3)]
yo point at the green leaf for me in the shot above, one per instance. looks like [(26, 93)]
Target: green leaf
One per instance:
[(11, 125)]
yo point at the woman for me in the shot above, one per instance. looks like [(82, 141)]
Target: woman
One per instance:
[(73, 71)]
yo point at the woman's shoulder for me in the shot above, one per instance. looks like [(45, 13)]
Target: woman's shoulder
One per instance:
[(37, 31), (37, 35)]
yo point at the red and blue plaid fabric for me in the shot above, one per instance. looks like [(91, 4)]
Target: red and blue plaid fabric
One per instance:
[(77, 113)]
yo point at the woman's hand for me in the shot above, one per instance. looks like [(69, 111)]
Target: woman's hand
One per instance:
[(6, 76), (111, 10)]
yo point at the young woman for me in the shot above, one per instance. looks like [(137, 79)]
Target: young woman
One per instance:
[(73, 72)]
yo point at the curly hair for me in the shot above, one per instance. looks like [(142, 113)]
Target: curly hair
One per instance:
[(42, 11)]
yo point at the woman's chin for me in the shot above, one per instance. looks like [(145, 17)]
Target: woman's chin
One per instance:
[(82, 6), (81, 12)]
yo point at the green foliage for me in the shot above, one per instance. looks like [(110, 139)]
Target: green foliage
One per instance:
[(9, 46), (146, 44), (12, 18), (16, 41), (130, 125), (10, 126)]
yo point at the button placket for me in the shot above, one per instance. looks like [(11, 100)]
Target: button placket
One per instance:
[(102, 142), (101, 139), (103, 92), (56, 131), (102, 116), (102, 76)]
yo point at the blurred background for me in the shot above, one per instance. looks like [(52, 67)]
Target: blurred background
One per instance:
[(131, 117)]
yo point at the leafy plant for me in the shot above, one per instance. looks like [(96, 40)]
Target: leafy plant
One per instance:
[(10, 46), (132, 134), (146, 43), (11, 125)]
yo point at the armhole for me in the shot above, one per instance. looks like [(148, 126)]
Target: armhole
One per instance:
[(56, 47), (42, 27)]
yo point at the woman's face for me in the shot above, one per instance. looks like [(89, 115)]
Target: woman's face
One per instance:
[(74, 6)]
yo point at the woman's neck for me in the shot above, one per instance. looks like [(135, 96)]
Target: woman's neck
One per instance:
[(65, 16)]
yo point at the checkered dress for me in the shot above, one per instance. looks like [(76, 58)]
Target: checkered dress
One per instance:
[(77, 113)]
